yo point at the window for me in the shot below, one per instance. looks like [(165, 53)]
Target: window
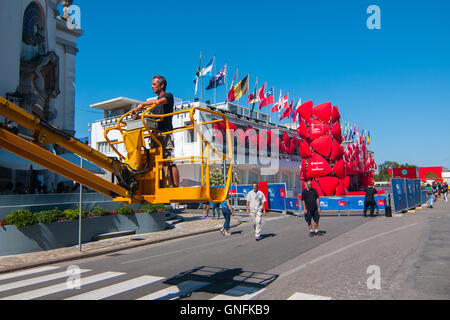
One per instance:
[(104, 147)]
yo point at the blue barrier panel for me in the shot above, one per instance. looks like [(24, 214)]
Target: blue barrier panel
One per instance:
[(419, 192), (292, 204), (399, 194), (277, 195), (333, 203), (424, 197), (409, 194)]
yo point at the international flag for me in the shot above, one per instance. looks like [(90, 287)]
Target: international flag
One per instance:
[(277, 106), (218, 79), (253, 97), (286, 107), (268, 99), (197, 73), (368, 137), (239, 90), (295, 111), (207, 70)]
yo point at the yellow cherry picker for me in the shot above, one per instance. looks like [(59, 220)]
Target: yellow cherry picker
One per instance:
[(136, 175)]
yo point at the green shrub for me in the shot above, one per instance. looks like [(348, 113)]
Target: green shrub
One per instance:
[(49, 216), (127, 210), (73, 214), (21, 218), (152, 208), (99, 211)]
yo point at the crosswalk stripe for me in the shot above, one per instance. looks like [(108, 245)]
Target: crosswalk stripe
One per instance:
[(61, 287), (28, 282), (116, 288), (177, 291), (306, 296), (26, 272), (238, 293)]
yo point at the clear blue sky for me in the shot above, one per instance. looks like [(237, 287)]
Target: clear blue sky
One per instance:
[(394, 81)]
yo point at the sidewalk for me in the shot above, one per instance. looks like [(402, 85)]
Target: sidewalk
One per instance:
[(191, 224)]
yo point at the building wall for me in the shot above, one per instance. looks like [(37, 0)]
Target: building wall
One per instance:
[(58, 39)]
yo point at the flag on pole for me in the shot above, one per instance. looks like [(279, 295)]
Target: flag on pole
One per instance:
[(239, 89), (277, 106), (253, 97), (268, 99), (207, 69), (218, 79), (297, 110), (197, 73)]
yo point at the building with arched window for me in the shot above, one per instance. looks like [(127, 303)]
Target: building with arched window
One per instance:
[(37, 63)]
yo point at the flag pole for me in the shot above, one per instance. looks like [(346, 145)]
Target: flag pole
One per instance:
[(214, 75), (239, 100), (201, 77)]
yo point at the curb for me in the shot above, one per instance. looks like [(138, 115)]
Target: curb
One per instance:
[(111, 250)]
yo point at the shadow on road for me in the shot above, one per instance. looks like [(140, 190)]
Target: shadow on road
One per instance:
[(234, 282)]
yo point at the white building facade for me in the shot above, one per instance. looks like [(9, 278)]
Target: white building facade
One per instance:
[(278, 168), (37, 63)]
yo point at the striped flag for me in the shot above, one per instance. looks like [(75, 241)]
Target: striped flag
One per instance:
[(239, 90)]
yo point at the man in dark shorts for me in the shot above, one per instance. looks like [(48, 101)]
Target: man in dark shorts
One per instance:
[(369, 200), (311, 208), (164, 105)]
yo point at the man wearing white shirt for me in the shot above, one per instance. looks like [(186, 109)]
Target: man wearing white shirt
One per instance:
[(255, 202)]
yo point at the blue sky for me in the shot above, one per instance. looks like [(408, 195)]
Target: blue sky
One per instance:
[(394, 81)]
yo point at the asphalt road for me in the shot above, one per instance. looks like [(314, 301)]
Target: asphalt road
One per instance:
[(358, 258)]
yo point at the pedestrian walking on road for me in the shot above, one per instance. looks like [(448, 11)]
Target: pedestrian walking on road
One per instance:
[(445, 191), (430, 195), (369, 200), (227, 213), (216, 208), (256, 208), (205, 210), (311, 208)]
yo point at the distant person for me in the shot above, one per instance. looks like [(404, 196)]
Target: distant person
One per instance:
[(227, 212), (216, 208), (445, 191), (164, 105), (430, 195), (256, 208), (205, 210), (435, 191), (369, 200), (311, 208)]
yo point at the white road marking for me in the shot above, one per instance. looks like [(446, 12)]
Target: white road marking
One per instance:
[(177, 291), (306, 296), (116, 288), (32, 281), (26, 272), (239, 293), (61, 287)]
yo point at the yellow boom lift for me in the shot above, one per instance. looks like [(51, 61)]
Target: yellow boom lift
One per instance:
[(137, 174)]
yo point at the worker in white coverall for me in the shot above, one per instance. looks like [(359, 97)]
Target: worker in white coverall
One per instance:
[(255, 202)]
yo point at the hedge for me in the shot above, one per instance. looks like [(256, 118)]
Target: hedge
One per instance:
[(24, 218)]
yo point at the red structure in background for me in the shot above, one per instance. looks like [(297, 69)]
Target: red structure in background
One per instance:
[(430, 173), (404, 173), (334, 170), (422, 173)]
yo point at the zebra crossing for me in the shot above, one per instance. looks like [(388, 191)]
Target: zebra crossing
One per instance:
[(33, 284)]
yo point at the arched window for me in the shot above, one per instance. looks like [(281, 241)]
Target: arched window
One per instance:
[(33, 34)]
